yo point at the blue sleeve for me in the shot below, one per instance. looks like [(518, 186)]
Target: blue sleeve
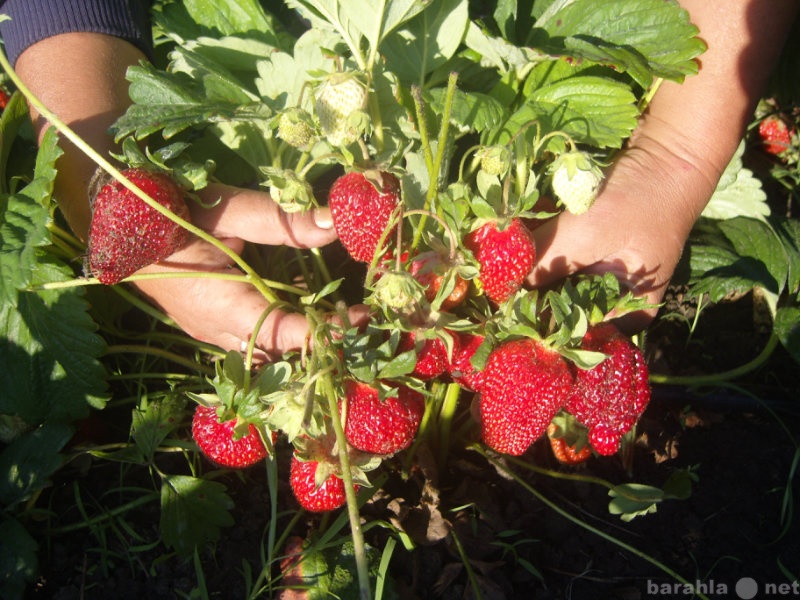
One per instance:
[(34, 20)]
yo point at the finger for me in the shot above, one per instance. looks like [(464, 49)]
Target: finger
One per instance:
[(253, 216)]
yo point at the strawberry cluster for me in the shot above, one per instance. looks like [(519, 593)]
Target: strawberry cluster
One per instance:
[(445, 275)]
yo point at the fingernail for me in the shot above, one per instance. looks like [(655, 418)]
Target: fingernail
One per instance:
[(322, 218)]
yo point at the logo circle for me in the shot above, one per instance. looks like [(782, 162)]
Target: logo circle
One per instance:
[(746, 588)]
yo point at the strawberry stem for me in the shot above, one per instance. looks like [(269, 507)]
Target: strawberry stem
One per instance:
[(64, 129), (161, 353)]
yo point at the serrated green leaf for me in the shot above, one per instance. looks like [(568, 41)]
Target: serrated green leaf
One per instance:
[(14, 117), (19, 561), (49, 352), (428, 41), (753, 238), (471, 111), (594, 110), (375, 19), (27, 463), (787, 327), (738, 193), (228, 18), (630, 500), (193, 511), (218, 84), (657, 31), (788, 231), (24, 219), (151, 424), (400, 365)]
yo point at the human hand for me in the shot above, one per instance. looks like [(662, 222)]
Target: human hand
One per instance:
[(636, 229), (225, 312)]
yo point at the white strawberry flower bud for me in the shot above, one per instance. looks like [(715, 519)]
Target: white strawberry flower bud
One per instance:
[(576, 180), (339, 97)]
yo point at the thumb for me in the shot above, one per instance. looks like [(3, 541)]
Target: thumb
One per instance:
[(254, 216)]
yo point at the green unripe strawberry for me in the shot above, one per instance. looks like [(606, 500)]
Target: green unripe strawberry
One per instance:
[(336, 101), (294, 128), (576, 180), (495, 160)]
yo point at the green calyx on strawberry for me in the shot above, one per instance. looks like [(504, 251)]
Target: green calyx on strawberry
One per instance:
[(505, 252), (446, 282), (381, 422), (462, 368), (219, 442), (575, 179), (362, 205), (126, 234), (339, 103), (610, 397), (434, 349), (525, 384), (315, 474)]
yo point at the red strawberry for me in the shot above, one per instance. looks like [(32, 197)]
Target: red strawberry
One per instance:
[(381, 426), (430, 270), (361, 212), (126, 234), (312, 495), (433, 358), (506, 256), (564, 452), (461, 369), (216, 440), (525, 384), (4, 98), (609, 398), (775, 134)]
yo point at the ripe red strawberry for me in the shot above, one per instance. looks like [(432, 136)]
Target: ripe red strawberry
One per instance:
[(430, 270), (381, 426), (433, 358), (563, 451), (461, 369), (126, 234), (609, 398), (525, 384), (216, 440), (506, 256), (360, 212), (323, 497), (775, 134), (4, 98)]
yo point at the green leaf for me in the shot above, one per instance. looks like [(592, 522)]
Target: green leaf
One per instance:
[(738, 193), (788, 231), (49, 352), (626, 34), (19, 563), (27, 463), (155, 421), (630, 500), (226, 18), (755, 257), (192, 512), (218, 84), (787, 328), (594, 110), (24, 220), (427, 41)]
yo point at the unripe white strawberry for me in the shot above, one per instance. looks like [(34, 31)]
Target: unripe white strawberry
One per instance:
[(336, 100), (576, 180)]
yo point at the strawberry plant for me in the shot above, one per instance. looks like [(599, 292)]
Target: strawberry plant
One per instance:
[(436, 136)]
